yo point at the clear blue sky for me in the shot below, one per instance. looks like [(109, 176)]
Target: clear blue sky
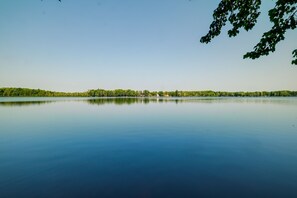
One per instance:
[(78, 45)]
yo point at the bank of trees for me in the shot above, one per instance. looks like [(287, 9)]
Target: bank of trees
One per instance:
[(229, 94), (25, 92)]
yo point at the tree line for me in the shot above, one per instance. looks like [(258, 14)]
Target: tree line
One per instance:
[(25, 92)]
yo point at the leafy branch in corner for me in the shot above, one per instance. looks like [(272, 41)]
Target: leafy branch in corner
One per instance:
[(244, 14)]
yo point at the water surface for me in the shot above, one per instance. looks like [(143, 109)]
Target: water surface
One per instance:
[(133, 147)]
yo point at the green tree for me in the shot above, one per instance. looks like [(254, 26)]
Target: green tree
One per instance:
[(244, 14), (161, 93), (146, 93)]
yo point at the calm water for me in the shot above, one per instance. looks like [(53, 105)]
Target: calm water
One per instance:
[(118, 148)]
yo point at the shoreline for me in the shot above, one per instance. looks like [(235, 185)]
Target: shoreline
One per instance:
[(126, 93)]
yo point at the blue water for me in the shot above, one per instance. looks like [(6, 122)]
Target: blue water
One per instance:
[(118, 148)]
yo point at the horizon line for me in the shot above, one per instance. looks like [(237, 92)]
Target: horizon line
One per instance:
[(141, 90)]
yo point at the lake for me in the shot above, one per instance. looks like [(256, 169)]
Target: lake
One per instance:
[(133, 147)]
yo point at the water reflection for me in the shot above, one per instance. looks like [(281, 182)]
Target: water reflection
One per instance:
[(24, 103), (165, 147), (129, 101), (118, 101)]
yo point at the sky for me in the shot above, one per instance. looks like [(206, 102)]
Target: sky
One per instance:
[(78, 45)]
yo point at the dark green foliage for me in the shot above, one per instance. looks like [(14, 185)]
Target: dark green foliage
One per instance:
[(294, 62), (24, 92), (114, 93), (244, 14), (146, 93)]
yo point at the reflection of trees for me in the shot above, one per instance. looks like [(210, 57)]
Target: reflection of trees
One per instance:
[(142, 100), (118, 101), (205, 100), (128, 101), (24, 103)]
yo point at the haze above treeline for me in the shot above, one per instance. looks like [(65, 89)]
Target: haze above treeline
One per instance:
[(26, 92)]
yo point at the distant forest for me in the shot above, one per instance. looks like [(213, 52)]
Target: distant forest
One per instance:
[(25, 92)]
